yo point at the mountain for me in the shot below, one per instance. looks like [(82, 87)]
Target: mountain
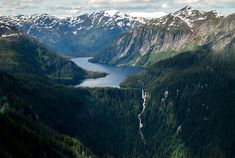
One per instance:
[(190, 106), (23, 131), (22, 54), (40, 118), (189, 112), (82, 35), (167, 36)]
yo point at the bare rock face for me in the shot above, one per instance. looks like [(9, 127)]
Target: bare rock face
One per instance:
[(165, 37)]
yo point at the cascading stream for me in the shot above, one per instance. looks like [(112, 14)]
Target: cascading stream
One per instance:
[(141, 125)]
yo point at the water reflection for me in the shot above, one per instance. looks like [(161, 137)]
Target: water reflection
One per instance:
[(115, 77)]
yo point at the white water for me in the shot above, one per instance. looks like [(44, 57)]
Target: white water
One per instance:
[(141, 125)]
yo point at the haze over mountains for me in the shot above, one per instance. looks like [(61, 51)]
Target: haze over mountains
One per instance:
[(83, 35), (189, 78), (120, 39)]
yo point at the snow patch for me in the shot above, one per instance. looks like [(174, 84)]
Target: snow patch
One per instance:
[(202, 18), (9, 35), (111, 12), (217, 13), (29, 29)]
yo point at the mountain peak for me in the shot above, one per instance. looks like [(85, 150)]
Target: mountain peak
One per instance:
[(188, 11), (111, 12), (189, 15), (188, 7), (217, 13), (44, 14)]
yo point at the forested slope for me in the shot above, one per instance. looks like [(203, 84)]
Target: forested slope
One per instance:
[(191, 104)]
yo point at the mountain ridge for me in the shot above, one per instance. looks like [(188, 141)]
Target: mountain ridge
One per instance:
[(87, 33), (22, 54), (164, 37)]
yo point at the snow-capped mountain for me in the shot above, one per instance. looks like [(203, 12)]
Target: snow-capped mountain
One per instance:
[(109, 18), (7, 30), (87, 33), (164, 37), (186, 16)]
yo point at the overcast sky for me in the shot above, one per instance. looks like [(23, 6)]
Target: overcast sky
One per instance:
[(63, 8)]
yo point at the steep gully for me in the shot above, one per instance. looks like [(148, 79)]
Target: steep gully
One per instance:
[(141, 125)]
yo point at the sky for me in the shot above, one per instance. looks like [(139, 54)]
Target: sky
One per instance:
[(61, 8)]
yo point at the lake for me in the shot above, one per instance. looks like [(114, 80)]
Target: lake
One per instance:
[(115, 77)]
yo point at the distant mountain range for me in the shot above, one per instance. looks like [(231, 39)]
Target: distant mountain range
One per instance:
[(165, 37), (20, 53), (117, 38), (83, 35), (189, 80)]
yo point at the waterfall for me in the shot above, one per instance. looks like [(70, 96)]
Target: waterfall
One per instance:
[(141, 125)]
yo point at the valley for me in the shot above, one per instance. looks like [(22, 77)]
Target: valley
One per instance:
[(161, 87), (115, 74)]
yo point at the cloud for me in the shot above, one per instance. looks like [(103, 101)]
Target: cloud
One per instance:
[(73, 7), (23, 4), (147, 14), (63, 11), (13, 2), (186, 1), (165, 5), (117, 1), (61, 7), (220, 1), (204, 2)]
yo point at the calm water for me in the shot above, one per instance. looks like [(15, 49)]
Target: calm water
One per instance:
[(115, 77)]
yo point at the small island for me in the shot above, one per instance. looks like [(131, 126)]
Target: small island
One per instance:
[(95, 74)]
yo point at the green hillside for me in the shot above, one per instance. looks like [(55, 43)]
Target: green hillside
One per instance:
[(23, 133), (195, 119), (21, 54), (99, 118), (191, 108)]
